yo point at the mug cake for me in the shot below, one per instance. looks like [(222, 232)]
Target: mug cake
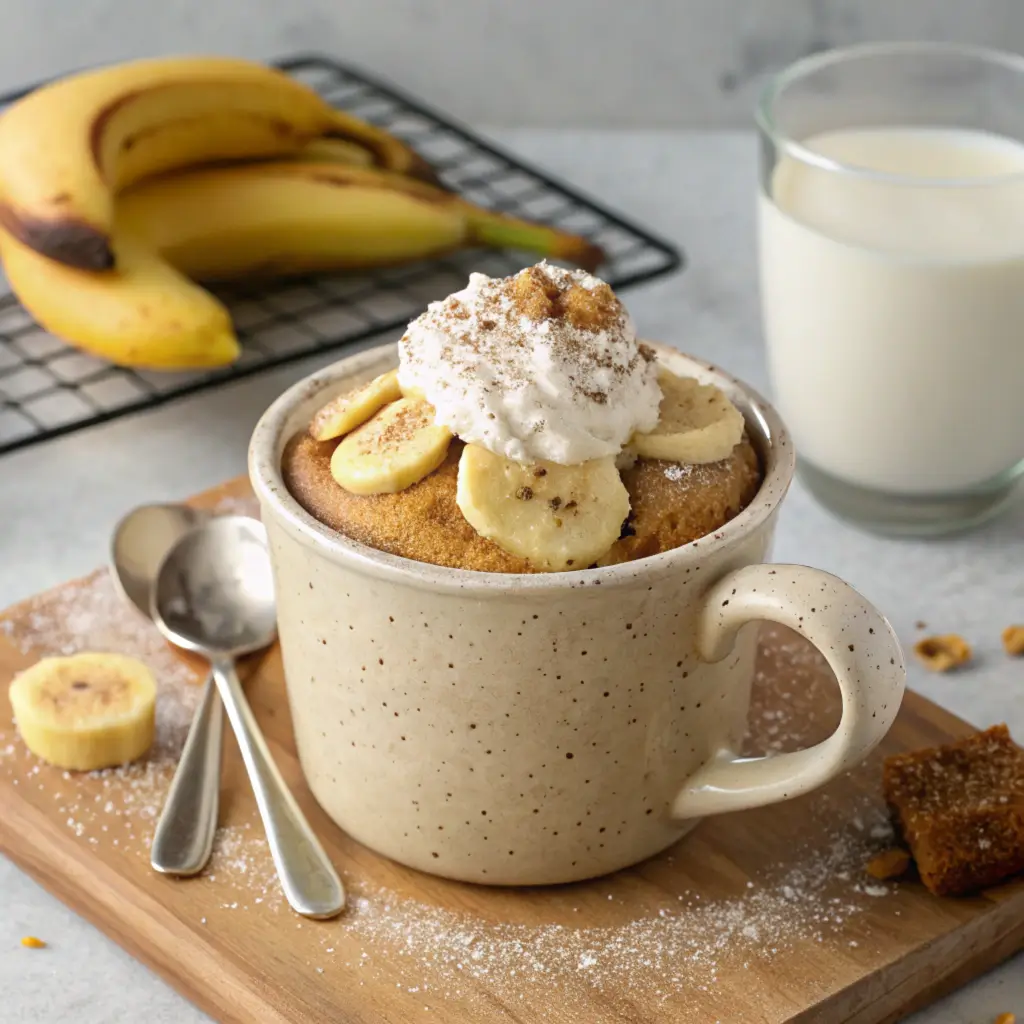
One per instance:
[(526, 429)]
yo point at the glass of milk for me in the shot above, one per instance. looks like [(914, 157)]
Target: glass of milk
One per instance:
[(891, 216)]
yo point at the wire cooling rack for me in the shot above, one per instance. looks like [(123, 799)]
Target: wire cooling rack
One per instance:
[(48, 388)]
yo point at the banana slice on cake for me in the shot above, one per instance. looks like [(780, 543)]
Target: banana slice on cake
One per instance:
[(400, 445), (86, 711), (413, 392), (557, 517), (697, 423), (346, 412)]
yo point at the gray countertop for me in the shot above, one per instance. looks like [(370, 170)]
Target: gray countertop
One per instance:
[(58, 502)]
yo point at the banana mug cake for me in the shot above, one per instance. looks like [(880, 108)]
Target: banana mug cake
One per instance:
[(525, 430), (568, 705)]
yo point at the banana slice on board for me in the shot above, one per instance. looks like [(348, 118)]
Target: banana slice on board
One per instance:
[(346, 412), (86, 711), (400, 445), (557, 517), (697, 423)]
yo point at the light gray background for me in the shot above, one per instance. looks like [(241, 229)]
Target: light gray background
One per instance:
[(563, 64), (636, 63)]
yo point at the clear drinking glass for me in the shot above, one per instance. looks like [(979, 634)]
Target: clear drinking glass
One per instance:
[(891, 221)]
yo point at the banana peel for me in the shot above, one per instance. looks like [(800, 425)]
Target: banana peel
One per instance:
[(143, 314)]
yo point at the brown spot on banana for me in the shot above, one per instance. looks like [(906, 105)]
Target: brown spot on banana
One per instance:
[(67, 240)]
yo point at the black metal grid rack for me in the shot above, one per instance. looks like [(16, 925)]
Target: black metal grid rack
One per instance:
[(48, 388)]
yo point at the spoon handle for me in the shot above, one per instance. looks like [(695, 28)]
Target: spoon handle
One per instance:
[(310, 883), (184, 834)]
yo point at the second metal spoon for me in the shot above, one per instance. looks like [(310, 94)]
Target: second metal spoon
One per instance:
[(184, 834)]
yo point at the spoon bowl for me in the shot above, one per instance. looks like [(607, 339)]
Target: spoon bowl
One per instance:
[(214, 593), (140, 543)]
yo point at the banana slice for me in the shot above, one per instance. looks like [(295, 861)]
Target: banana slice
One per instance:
[(85, 711), (346, 412), (697, 423), (556, 517), (413, 392), (392, 451)]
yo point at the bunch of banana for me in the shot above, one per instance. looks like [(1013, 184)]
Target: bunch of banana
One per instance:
[(269, 218), (121, 187), (68, 148)]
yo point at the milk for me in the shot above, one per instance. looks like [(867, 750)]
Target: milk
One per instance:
[(894, 312)]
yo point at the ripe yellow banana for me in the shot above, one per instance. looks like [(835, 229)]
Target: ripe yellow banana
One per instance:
[(144, 313), (292, 216), (67, 148), (275, 217)]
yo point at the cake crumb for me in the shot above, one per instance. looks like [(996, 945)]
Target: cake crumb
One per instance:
[(891, 863), (957, 807), (1013, 640), (942, 653), (1005, 1018), (31, 942)]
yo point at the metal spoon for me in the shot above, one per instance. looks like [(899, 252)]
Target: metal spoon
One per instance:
[(214, 595), (184, 834)]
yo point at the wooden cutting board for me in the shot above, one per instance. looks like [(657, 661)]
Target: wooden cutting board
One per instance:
[(763, 916)]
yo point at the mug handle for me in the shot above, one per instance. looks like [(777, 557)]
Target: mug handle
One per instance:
[(858, 644)]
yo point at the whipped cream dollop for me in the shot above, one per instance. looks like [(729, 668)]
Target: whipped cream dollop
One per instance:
[(542, 365)]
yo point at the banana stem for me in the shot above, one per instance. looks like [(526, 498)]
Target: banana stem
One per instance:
[(502, 232)]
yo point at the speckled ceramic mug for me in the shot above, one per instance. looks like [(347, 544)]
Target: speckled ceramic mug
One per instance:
[(532, 729)]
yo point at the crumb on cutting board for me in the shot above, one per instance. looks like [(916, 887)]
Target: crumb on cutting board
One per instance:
[(958, 808), (1013, 640), (891, 863), (942, 653)]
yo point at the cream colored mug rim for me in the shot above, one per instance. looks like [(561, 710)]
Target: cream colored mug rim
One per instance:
[(766, 429)]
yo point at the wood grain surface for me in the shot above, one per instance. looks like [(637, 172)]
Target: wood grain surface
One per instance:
[(763, 916)]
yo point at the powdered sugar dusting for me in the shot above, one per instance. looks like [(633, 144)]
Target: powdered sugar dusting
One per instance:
[(682, 945), (243, 870), (676, 471)]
